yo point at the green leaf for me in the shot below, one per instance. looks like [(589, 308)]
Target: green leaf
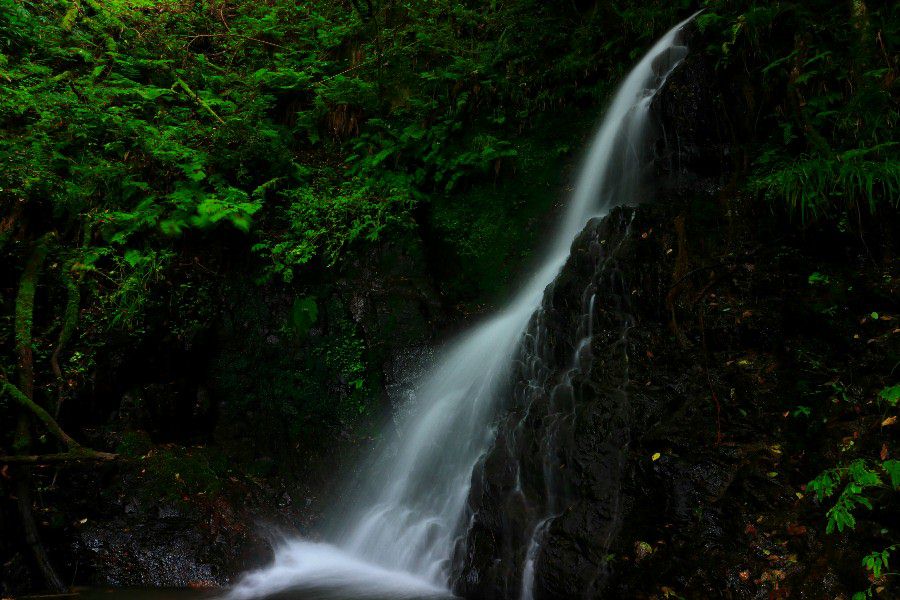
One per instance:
[(818, 278), (133, 257), (892, 468), (801, 411), (152, 93), (890, 395)]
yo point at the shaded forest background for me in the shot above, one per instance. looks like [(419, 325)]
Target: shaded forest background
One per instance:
[(229, 227)]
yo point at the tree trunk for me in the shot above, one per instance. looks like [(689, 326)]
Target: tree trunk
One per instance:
[(82, 456), (23, 500), (24, 318), (70, 322)]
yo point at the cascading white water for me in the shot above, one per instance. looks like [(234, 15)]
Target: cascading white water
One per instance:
[(398, 539)]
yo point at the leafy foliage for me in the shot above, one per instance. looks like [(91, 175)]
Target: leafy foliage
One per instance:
[(137, 122), (878, 561), (831, 88), (875, 562), (890, 395), (857, 477), (155, 144)]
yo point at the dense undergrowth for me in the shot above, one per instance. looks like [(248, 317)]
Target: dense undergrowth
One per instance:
[(194, 192), (826, 99), (151, 146)]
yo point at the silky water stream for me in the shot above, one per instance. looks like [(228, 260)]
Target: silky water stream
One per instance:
[(395, 537)]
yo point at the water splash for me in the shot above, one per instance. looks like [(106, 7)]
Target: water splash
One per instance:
[(397, 540), (328, 572)]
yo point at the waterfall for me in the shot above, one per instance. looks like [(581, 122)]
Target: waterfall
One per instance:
[(397, 539)]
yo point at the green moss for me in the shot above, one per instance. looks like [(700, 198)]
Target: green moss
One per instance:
[(489, 231), (134, 444), (174, 472), (290, 390)]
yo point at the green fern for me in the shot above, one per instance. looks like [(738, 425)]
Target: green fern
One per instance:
[(820, 187), (857, 477)]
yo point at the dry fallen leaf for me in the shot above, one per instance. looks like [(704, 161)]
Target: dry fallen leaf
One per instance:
[(202, 584), (889, 421)]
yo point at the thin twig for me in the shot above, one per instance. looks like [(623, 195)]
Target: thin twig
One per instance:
[(180, 82), (229, 34)]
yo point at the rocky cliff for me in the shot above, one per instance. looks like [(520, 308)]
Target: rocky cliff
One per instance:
[(651, 446)]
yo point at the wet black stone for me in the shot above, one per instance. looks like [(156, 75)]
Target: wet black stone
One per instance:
[(652, 456)]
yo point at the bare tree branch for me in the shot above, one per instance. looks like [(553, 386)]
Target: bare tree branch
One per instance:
[(80, 455)]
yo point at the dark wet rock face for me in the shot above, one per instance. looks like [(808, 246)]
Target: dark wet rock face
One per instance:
[(695, 129), (645, 449), (164, 553), (549, 501), (127, 538), (559, 451), (552, 482)]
